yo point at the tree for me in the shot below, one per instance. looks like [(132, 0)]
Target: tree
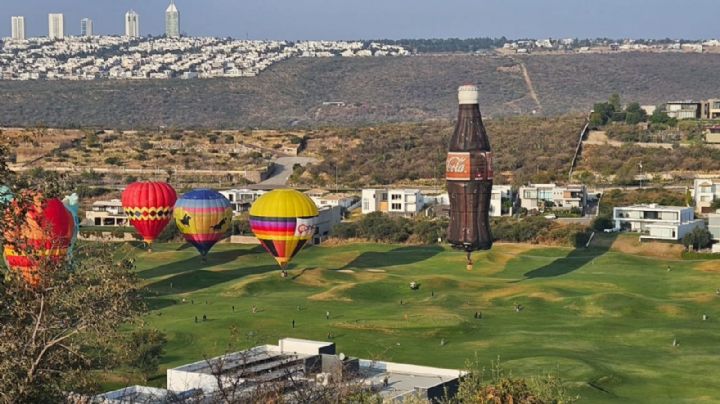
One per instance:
[(145, 348), (716, 204), (698, 239), (54, 334), (614, 101), (634, 114)]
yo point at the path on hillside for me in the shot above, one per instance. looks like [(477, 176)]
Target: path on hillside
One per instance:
[(531, 87), (284, 169)]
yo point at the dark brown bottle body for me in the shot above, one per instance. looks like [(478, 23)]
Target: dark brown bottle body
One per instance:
[(469, 176)]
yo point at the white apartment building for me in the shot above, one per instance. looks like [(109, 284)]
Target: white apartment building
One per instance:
[(657, 222), (396, 201), (539, 197), (18, 28), (86, 27), (132, 24), (241, 199), (56, 26), (706, 191), (714, 225), (106, 213), (172, 21)]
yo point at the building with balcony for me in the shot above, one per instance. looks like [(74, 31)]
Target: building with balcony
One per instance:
[(711, 109), (407, 202), (656, 222), (106, 213), (705, 192), (683, 109), (539, 197), (241, 199)]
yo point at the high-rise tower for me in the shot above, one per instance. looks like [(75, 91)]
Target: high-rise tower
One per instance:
[(172, 21), (86, 27), (132, 24), (18, 27), (56, 26)]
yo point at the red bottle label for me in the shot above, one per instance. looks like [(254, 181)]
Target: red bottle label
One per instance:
[(469, 166)]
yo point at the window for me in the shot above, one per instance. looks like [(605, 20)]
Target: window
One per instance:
[(366, 204), (396, 197), (545, 194), (396, 206)]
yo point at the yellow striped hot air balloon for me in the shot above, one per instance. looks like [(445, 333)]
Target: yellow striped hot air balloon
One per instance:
[(283, 220)]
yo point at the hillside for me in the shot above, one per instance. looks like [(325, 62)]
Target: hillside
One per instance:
[(417, 88)]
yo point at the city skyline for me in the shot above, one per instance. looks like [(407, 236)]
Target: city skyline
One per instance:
[(373, 19)]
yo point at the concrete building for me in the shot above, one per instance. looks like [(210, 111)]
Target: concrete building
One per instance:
[(172, 21), (714, 225), (539, 197), (296, 362), (656, 222), (500, 194), (132, 24), (106, 213), (683, 109), (408, 202), (324, 198), (712, 135), (328, 217), (705, 192), (17, 28), (86, 27), (711, 109), (241, 199), (56, 26), (143, 394)]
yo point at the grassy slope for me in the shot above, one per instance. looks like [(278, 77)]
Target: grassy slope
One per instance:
[(605, 319)]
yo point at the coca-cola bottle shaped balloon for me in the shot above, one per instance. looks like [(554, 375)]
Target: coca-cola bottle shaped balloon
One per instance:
[(469, 174)]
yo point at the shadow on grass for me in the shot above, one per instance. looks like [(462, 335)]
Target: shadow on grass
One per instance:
[(195, 263), (398, 256), (199, 279), (578, 258)]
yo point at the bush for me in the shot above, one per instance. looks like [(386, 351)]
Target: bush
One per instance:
[(345, 231), (113, 161), (603, 222), (698, 239)]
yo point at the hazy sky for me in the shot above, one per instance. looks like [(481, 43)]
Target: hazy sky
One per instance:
[(366, 19)]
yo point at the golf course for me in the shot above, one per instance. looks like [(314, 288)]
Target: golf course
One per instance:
[(619, 321)]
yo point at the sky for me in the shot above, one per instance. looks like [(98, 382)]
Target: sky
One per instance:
[(379, 19)]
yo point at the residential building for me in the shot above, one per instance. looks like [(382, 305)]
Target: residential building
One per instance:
[(86, 27), (328, 217), (500, 194), (712, 134), (56, 26), (657, 222), (683, 109), (324, 198), (711, 109), (714, 225), (172, 21), (106, 213), (296, 362), (241, 199), (132, 24), (539, 197), (705, 192), (17, 28), (406, 202)]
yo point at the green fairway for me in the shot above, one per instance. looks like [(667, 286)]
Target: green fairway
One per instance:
[(605, 319)]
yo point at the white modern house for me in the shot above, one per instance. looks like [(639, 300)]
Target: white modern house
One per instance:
[(106, 213), (500, 193), (241, 199), (539, 197), (656, 222), (706, 191), (407, 202), (714, 225), (322, 199), (328, 217)]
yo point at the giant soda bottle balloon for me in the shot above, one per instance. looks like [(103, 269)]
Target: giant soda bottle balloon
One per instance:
[(149, 207), (41, 239), (203, 216), (469, 174), (283, 220)]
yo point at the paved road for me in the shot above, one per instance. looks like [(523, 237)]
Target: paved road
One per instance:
[(284, 169)]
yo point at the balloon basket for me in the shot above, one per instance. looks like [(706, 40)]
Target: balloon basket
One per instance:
[(469, 267)]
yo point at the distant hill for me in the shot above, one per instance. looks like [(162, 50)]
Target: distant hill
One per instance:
[(373, 90)]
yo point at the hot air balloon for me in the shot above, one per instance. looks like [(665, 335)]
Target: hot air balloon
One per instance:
[(283, 220), (203, 216), (41, 240), (149, 207), (5, 194), (72, 204)]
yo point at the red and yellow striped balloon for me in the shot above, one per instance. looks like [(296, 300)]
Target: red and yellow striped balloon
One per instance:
[(41, 240)]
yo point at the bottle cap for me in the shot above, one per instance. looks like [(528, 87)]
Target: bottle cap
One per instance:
[(468, 94)]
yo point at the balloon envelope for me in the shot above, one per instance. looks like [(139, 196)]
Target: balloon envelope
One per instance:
[(5, 194), (283, 220), (149, 207), (41, 240), (203, 216), (72, 204)]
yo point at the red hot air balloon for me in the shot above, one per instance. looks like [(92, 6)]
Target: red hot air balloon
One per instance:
[(41, 240), (149, 207)]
